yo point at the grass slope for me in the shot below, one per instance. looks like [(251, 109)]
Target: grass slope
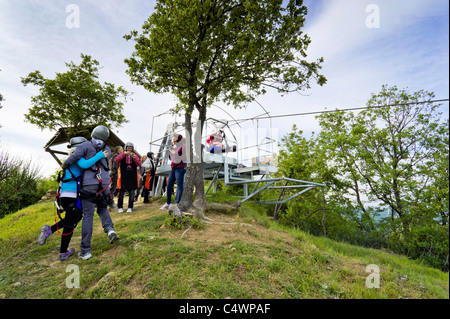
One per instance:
[(232, 256)]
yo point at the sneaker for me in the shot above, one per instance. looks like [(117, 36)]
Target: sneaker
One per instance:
[(120, 210), (67, 254), (45, 232), (112, 235), (84, 256), (129, 210), (166, 206)]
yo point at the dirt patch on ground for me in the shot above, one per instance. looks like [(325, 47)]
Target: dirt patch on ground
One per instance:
[(114, 251), (222, 229)]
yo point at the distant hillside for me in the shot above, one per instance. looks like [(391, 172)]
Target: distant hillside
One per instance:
[(230, 256)]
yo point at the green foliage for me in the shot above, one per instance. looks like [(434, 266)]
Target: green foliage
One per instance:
[(19, 183), (386, 171), (48, 183), (183, 222), (204, 51), (75, 98), (268, 260), (200, 50)]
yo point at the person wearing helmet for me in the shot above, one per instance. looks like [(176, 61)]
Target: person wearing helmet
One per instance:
[(149, 175), (128, 177), (69, 200), (94, 188)]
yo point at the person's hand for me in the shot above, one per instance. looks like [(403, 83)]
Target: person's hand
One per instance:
[(106, 153)]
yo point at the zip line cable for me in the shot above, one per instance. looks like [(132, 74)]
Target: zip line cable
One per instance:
[(336, 110)]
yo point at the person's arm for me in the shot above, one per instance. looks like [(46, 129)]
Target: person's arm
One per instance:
[(119, 157), (137, 160), (74, 157), (86, 163)]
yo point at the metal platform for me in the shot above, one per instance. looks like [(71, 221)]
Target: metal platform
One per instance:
[(223, 167)]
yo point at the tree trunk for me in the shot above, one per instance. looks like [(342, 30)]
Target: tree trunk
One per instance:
[(185, 203), (193, 199), (200, 200), (194, 172)]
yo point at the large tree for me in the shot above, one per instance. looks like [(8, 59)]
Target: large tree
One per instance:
[(394, 155), (391, 152), (206, 50), (75, 99)]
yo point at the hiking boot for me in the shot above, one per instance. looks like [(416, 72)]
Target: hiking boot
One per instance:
[(67, 254), (166, 206), (112, 235), (129, 210), (45, 232), (84, 256)]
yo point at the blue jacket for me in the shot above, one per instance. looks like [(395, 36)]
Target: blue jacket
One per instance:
[(88, 150), (77, 169)]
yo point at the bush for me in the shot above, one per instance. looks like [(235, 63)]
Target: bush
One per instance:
[(19, 180)]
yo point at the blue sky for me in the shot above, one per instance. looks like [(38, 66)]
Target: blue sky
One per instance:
[(410, 49)]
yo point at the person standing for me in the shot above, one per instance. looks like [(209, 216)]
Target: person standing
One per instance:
[(128, 176), (149, 175), (94, 189), (178, 165)]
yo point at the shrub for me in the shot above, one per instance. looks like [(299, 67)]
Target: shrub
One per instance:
[(18, 183)]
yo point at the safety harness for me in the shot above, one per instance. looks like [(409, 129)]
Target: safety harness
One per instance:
[(98, 197), (57, 201), (80, 193)]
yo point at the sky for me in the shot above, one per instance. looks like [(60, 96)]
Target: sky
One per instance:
[(364, 43)]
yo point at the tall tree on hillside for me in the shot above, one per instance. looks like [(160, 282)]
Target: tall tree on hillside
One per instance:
[(75, 99), (205, 50), (395, 154)]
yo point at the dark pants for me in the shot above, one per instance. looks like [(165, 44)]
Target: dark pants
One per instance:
[(69, 222), (114, 189), (130, 199), (145, 191)]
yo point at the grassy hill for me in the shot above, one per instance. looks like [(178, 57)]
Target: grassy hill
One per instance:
[(232, 256)]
